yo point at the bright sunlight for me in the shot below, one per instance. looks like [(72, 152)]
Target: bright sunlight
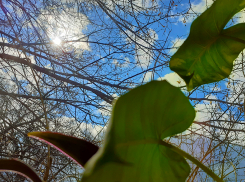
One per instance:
[(57, 40)]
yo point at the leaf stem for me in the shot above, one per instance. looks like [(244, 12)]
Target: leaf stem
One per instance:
[(233, 38), (192, 159)]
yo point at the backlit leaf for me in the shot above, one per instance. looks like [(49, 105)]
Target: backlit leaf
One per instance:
[(208, 53), (17, 166), (75, 148), (140, 120)]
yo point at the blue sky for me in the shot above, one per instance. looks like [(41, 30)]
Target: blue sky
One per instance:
[(133, 64)]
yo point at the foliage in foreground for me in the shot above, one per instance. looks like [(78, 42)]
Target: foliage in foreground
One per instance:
[(134, 147)]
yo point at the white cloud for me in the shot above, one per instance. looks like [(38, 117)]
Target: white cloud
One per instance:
[(230, 127), (215, 88), (237, 73), (197, 8), (176, 44), (203, 114), (201, 6), (106, 108), (240, 17), (115, 62), (138, 5), (121, 63), (12, 72), (144, 3), (66, 25), (226, 126), (126, 63), (174, 79), (236, 82), (143, 52), (70, 126), (115, 96), (148, 76), (4, 40), (204, 110)]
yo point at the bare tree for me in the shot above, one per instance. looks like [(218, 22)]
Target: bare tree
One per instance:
[(63, 62)]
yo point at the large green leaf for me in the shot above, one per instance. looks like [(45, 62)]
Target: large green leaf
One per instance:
[(140, 120), (75, 148), (17, 166), (208, 53)]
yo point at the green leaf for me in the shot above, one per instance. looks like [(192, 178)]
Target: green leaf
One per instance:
[(17, 166), (208, 53), (140, 120), (75, 148)]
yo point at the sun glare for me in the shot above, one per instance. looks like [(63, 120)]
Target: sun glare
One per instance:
[(57, 40)]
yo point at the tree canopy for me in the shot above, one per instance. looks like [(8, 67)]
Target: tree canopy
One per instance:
[(63, 62)]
